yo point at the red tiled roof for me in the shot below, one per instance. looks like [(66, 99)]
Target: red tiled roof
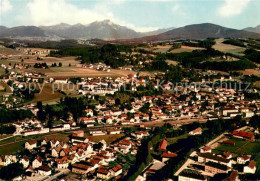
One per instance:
[(252, 164), (163, 145), (116, 168), (169, 155), (243, 134), (245, 157), (32, 142), (44, 168), (229, 142), (206, 148), (102, 170)]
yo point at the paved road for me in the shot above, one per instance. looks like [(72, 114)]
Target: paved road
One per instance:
[(6, 138), (63, 171), (172, 121), (188, 162)]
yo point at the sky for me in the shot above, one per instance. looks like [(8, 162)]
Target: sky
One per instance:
[(140, 15)]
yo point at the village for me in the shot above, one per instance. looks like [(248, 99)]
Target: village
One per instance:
[(92, 121)]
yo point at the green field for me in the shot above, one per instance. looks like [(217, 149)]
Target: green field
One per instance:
[(186, 49), (226, 48), (224, 147), (175, 139), (242, 147)]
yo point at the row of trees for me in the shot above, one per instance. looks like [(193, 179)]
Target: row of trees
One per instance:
[(208, 43), (67, 106), (9, 116), (235, 42), (108, 54)]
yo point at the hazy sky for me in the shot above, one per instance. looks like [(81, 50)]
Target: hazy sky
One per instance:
[(141, 15)]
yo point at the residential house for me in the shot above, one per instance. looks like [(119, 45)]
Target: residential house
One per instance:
[(116, 170), (233, 176), (62, 162), (25, 161), (167, 155), (243, 159), (7, 159), (205, 149), (44, 170), (207, 157), (31, 144), (103, 173), (197, 131), (37, 162), (80, 168), (250, 168), (162, 145)]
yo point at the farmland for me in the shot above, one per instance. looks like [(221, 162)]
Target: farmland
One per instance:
[(46, 95), (186, 49), (107, 138), (84, 72), (226, 48)]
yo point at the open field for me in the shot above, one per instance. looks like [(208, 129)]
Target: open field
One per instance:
[(47, 94), (257, 84), (1, 87), (162, 49), (228, 48), (107, 138), (242, 147), (255, 72), (84, 72), (175, 139), (172, 62), (8, 51), (185, 49), (5, 86)]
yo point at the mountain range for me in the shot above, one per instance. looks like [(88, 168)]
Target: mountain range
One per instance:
[(201, 31), (253, 29), (107, 30)]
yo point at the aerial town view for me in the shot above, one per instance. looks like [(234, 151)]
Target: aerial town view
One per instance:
[(130, 90)]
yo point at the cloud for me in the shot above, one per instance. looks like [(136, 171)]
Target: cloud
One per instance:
[(176, 7), (232, 7), (5, 6), (51, 12), (160, 0)]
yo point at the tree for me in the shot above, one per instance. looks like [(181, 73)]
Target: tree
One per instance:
[(39, 105), (11, 171), (60, 64), (255, 121), (117, 101), (7, 129), (41, 115)]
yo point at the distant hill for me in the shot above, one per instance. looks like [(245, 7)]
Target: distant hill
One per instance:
[(157, 32), (107, 30), (21, 31), (201, 31), (253, 29)]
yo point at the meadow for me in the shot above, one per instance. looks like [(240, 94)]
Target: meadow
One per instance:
[(226, 48)]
